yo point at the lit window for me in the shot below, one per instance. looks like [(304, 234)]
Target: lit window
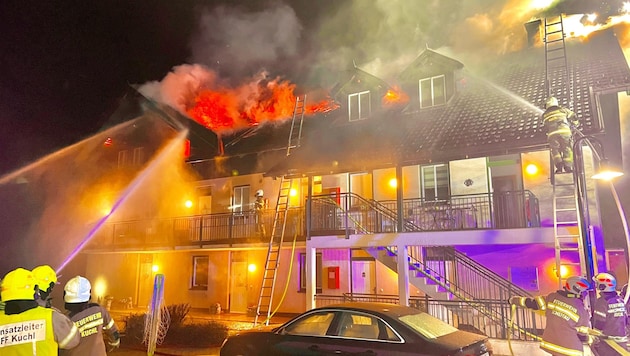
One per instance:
[(318, 272), (432, 91), (359, 106), (200, 272), (240, 202)]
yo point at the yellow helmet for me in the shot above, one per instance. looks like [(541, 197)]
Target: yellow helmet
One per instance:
[(18, 284), (44, 275), (551, 101)]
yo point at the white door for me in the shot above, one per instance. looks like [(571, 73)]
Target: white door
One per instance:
[(238, 287), (364, 277)]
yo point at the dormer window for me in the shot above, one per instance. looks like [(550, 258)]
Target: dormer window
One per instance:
[(432, 91), (359, 106)]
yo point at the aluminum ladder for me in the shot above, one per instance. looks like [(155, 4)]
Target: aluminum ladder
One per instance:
[(557, 74), (569, 249), (295, 134), (267, 287)]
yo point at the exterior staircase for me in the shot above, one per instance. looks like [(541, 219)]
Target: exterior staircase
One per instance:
[(466, 289)]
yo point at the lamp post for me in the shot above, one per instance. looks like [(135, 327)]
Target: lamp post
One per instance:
[(604, 173)]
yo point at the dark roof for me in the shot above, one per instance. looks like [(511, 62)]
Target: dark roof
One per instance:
[(495, 112)]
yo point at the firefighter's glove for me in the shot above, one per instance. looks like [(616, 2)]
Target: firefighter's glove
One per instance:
[(113, 345), (515, 300)]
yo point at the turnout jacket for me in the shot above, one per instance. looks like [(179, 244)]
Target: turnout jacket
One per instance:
[(565, 312), (92, 322), (558, 121), (36, 330), (610, 317)]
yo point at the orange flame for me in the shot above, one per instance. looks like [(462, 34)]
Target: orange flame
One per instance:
[(395, 96), (250, 104)]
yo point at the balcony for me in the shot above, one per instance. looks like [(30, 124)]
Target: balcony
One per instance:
[(339, 214)]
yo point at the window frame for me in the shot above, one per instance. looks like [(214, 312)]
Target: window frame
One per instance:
[(432, 80), (359, 106), (194, 285), (318, 272), (242, 197), (438, 193)]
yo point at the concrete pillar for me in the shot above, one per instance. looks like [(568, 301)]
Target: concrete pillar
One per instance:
[(311, 277), (403, 275)]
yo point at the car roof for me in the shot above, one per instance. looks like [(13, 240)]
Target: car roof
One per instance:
[(393, 310)]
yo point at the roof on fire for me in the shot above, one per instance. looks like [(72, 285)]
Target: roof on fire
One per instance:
[(492, 112), (487, 116)]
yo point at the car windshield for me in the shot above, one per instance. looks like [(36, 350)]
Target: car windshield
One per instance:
[(427, 325)]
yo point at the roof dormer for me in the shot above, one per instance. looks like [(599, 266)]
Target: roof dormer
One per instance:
[(360, 94), (430, 80)]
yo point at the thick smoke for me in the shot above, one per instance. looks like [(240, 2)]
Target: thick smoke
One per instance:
[(236, 42)]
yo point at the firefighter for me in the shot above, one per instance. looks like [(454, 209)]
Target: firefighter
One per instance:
[(92, 320), (34, 329), (565, 312), (559, 123), (259, 207), (609, 316), (45, 279)]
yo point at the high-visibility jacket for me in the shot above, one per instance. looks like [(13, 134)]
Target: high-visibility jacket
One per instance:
[(565, 312), (558, 121), (36, 331), (93, 322)]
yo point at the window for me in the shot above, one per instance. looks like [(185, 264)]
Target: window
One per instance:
[(123, 156), (200, 272), (138, 156), (318, 272), (432, 91), (434, 181), (354, 325), (314, 324), (359, 106), (240, 202)]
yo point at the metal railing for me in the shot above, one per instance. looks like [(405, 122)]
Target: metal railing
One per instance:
[(194, 230), (458, 314), (349, 213), (339, 214)]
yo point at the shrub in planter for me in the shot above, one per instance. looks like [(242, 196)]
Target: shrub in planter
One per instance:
[(178, 313), (205, 334), (202, 334)]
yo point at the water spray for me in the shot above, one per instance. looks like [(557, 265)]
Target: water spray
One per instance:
[(175, 144), (100, 136)]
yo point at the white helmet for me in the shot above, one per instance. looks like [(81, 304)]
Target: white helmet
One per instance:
[(577, 285), (551, 101), (605, 282), (77, 290), (259, 193)]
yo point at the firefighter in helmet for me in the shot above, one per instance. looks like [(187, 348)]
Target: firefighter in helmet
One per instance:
[(92, 319), (45, 279), (609, 316), (35, 330), (565, 312), (259, 207), (559, 123)]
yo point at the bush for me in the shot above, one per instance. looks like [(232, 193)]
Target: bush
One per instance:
[(178, 313), (202, 334)]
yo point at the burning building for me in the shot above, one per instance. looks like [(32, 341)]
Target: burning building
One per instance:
[(434, 167)]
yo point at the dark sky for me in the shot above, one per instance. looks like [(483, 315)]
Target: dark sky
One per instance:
[(65, 63)]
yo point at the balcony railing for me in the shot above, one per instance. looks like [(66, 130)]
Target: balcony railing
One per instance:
[(339, 214), (351, 213)]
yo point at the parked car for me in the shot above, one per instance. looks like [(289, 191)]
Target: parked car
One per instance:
[(359, 329)]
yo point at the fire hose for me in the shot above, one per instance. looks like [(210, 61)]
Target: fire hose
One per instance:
[(612, 341)]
